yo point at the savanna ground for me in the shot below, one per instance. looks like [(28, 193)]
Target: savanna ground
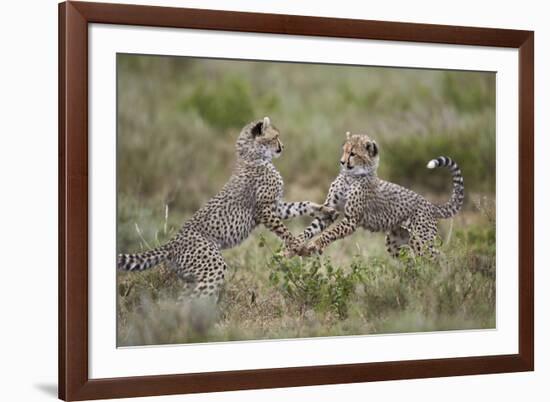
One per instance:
[(178, 119)]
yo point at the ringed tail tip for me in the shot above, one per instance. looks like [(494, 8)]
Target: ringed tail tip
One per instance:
[(432, 164)]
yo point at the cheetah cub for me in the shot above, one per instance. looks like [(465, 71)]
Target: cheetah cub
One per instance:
[(377, 205), (252, 196)]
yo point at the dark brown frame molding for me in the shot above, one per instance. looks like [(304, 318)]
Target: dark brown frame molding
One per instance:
[(74, 17)]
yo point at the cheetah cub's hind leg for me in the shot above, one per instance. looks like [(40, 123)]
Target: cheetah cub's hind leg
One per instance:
[(397, 238), (211, 279), (423, 235), (202, 268)]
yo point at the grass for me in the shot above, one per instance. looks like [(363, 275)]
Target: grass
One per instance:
[(177, 123), (355, 288)]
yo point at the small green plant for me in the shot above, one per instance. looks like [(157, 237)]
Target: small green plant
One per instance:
[(342, 286), (315, 284)]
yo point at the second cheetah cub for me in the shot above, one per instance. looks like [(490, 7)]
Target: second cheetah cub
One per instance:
[(378, 205)]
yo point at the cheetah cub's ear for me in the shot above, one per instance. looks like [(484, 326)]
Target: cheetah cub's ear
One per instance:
[(348, 135), (260, 127), (372, 148), (257, 129)]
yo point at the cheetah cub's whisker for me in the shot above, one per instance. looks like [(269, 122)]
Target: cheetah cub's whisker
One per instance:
[(377, 205), (253, 195)]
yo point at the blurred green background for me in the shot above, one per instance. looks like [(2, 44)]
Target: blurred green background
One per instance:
[(178, 119)]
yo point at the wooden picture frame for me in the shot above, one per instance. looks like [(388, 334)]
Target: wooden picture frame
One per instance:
[(74, 381)]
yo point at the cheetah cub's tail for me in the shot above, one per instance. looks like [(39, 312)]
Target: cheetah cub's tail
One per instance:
[(451, 207), (142, 261)]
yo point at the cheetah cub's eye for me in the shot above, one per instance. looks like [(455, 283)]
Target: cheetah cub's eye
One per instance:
[(352, 154)]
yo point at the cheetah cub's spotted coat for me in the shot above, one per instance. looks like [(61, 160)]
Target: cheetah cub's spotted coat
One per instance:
[(378, 205), (252, 196)]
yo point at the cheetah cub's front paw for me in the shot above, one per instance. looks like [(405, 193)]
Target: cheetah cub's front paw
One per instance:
[(293, 248), (322, 211), (311, 248)]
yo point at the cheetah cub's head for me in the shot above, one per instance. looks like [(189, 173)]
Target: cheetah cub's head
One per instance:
[(360, 155), (259, 141)]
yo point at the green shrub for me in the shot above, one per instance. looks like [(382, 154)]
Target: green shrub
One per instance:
[(312, 284)]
